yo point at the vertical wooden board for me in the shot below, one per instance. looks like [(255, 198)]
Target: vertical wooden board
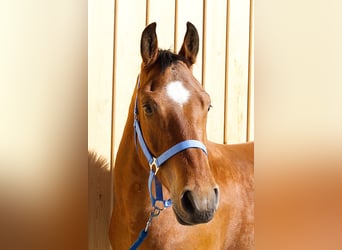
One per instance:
[(100, 66), (99, 198), (162, 12), (191, 10), (130, 24), (251, 76), (251, 105), (215, 67), (237, 71)]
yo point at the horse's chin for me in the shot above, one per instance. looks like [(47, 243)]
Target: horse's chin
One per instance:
[(182, 222), (189, 221)]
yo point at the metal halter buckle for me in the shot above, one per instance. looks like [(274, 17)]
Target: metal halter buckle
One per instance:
[(156, 168)]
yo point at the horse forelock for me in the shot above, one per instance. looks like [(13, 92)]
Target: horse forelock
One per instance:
[(166, 58)]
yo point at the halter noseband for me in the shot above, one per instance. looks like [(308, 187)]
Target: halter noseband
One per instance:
[(155, 163)]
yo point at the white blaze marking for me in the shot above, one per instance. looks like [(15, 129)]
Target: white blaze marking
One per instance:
[(177, 92)]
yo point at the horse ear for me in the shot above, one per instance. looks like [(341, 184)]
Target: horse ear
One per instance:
[(190, 45), (149, 44)]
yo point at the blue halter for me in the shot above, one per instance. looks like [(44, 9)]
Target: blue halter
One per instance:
[(155, 163)]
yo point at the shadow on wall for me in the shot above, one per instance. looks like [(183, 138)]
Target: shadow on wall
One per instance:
[(99, 201)]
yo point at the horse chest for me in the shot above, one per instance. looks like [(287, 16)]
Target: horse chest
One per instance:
[(166, 233)]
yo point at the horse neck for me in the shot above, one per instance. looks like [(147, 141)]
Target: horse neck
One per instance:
[(130, 171)]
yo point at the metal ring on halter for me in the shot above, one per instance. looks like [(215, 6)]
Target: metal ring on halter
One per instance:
[(156, 211), (159, 205), (156, 168)]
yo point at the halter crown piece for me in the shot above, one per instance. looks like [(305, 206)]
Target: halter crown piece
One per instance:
[(155, 163)]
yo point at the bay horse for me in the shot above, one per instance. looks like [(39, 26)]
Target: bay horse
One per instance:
[(209, 186)]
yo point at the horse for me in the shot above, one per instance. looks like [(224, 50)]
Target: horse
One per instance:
[(209, 187)]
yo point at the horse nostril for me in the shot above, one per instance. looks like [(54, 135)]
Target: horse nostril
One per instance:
[(217, 195), (188, 202)]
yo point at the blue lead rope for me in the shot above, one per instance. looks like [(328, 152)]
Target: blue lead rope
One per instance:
[(137, 243), (155, 164), (143, 234)]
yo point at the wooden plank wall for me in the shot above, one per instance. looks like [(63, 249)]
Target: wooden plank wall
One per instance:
[(224, 67), (100, 75)]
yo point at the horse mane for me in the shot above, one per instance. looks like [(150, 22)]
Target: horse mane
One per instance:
[(166, 58), (97, 161)]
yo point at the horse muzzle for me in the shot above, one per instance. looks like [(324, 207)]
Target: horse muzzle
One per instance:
[(197, 208)]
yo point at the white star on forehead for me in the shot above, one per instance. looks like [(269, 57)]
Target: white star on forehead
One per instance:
[(177, 92)]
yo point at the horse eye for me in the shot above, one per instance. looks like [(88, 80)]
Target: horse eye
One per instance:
[(147, 109), (210, 106)]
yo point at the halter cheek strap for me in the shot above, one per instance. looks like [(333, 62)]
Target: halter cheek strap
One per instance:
[(155, 163)]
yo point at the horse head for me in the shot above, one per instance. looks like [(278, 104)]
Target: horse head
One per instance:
[(173, 107)]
